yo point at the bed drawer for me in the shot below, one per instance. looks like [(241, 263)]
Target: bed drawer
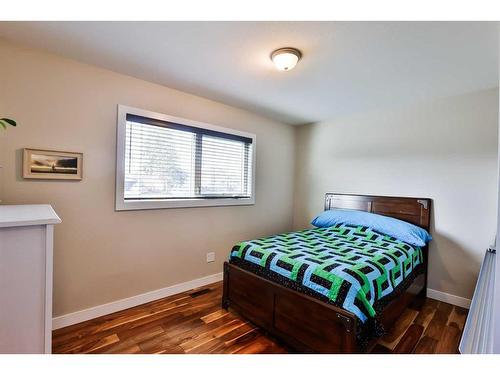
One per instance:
[(252, 298), (310, 323)]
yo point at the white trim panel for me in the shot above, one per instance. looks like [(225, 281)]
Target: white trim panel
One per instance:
[(477, 336), (449, 298), (123, 205), (126, 303), (49, 265)]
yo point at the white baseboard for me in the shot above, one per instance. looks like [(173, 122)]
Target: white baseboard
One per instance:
[(448, 298), (126, 303)]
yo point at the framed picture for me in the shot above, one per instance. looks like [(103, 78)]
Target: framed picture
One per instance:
[(53, 165)]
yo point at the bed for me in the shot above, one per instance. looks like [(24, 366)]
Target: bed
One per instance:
[(310, 316)]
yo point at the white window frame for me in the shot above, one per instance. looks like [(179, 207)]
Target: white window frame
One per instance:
[(123, 205)]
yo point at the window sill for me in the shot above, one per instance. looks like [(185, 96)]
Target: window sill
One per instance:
[(154, 204)]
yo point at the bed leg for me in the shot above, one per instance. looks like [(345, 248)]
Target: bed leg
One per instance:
[(225, 286), (423, 293), (419, 300)]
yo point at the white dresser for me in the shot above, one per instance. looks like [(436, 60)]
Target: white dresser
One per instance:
[(26, 248)]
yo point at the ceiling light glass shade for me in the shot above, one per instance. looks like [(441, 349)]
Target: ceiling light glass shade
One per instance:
[(285, 58)]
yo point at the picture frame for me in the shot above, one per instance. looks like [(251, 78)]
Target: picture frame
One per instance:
[(52, 165)]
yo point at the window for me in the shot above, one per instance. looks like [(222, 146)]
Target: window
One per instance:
[(167, 162)]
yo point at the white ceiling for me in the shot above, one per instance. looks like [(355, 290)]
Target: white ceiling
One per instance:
[(347, 67)]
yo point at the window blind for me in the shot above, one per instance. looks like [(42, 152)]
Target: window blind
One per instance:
[(165, 160)]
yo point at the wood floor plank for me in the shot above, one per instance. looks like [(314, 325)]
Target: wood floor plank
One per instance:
[(214, 316), (261, 345), (113, 320), (442, 312), (232, 346), (160, 344), (124, 345), (91, 347), (197, 328), (211, 346), (194, 322), (233, 336), (380, 349), (215, 332), (457, 317), (449, 341), (444, 307), (425, 315), (399, 328), (134, 349), (435, 328), (206, 336), (135, 334), (409, 340), (426, 345), (138, 318), (74, 345), (431, 303)]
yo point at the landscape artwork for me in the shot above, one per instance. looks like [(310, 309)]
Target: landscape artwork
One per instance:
[(46, 164)]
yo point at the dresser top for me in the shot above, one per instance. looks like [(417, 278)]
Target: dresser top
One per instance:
[(27, 214)]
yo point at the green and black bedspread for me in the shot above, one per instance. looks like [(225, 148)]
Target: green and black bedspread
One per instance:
[(352, 267)]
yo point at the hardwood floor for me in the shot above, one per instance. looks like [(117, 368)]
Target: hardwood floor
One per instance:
[(194, 322)]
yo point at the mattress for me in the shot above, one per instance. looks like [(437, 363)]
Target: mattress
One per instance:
[(352, 267)]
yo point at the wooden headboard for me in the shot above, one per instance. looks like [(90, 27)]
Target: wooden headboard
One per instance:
[(413, 210)]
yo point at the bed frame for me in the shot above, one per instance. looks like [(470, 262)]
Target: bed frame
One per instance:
[(306, 324)]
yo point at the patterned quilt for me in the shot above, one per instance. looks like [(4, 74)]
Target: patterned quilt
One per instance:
[(351, 267)]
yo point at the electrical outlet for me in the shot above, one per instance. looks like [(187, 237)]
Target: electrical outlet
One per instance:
[(210, 257)]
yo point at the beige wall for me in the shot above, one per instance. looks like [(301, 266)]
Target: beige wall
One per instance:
[(102, 255), (445, 150)]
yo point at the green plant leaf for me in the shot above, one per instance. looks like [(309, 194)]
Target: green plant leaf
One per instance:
[(8, 121)]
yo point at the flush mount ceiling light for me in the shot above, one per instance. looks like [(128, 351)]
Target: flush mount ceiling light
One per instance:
[(286, 58)]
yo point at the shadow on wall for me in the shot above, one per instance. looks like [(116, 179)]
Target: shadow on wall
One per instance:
[(447, 254), (439, 264), (19, 164)]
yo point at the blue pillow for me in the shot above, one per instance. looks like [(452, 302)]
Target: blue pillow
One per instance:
[(399, 229)]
